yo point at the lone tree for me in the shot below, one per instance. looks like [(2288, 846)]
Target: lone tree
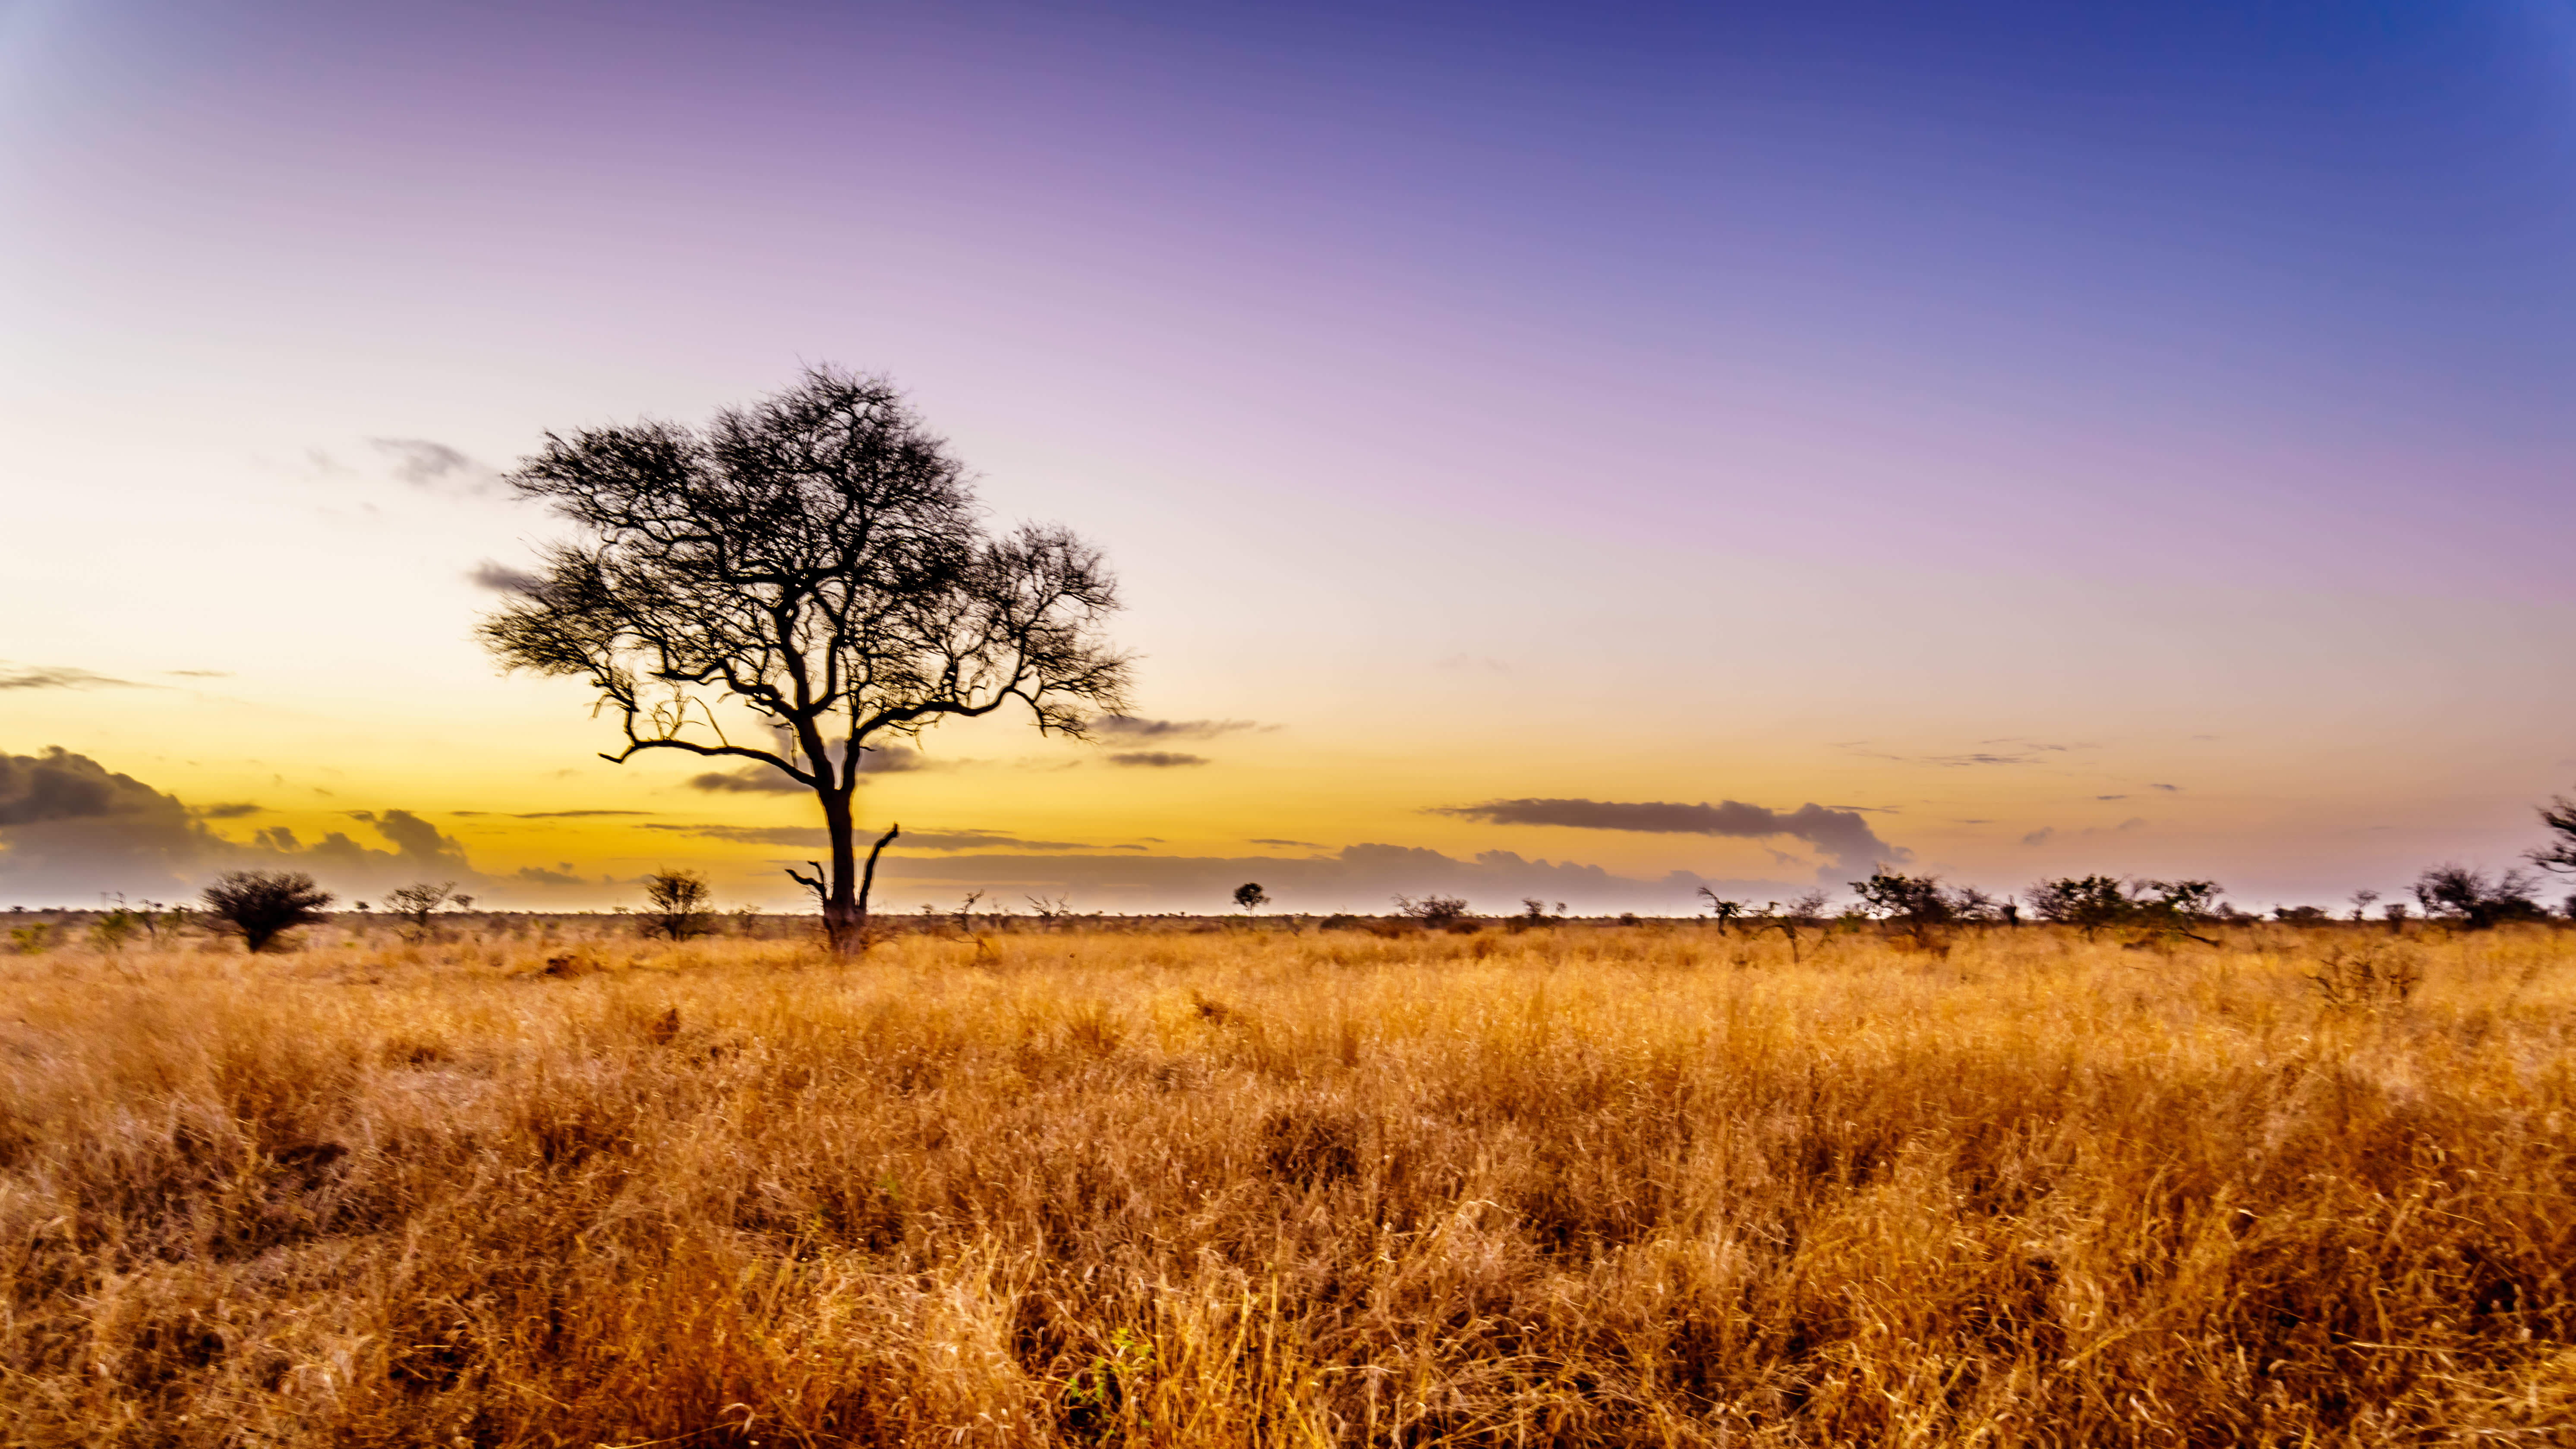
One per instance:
[(415, 904), (678, 900), (261, 905), (1251, 897), (2475, 900), (813, 569)]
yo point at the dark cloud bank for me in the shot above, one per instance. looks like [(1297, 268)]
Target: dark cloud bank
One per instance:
[(1358, 878), (1841, 835), (71, 828)]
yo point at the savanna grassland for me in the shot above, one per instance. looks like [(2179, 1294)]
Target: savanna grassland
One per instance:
[(1567, 1185)]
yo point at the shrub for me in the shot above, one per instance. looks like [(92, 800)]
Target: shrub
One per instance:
[(2472, 899), (415, 904), (113, 929), (1919, 904), (678, 900), (261, 905), (1437, 912), (2160, 907)]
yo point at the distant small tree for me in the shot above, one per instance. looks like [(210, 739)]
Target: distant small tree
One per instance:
[(1976, 907), (2094, 903), (2475, 900), (2173, 907), (157, 919), (2087, 903), (2361, 903), (1437, 912), (261, 905), (677, 904), (1917, 904), (1250, 897), (113, 928), (417, 902), (1807, 912), (1721, 909)]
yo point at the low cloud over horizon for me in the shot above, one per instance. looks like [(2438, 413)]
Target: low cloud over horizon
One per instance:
[(1841, 834), (70, 828), (1130, 728), (1363, 879), (63, 676)]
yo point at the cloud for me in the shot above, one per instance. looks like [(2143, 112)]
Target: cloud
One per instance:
[(1840, 834), (59, 785), (1299, 844), (61, 676), (2176, 789), (759, 779), (438, 468), (568, 814), (232, 811), (542, 814), (813, 836), (1130, 727), (500, 578), (2110, 797), (1157, 759), (70, 829), (2021, 752), (200, 673), (805, 835), (538, 875), (753, 779), (2047, 833), (979, 840)]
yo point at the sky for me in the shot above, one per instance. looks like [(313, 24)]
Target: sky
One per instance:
[(2000, 440)]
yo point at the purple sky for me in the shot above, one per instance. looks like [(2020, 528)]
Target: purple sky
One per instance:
[(2244, 336)]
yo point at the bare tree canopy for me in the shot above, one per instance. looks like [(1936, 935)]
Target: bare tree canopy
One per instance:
[(2560, 853), (815, 564)]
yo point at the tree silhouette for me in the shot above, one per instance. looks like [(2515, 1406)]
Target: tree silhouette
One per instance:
[(2560, 854), (261, 905), (1719, 907), (2474, 899), (678, 901), (1250, 896), (417, 903), (811, 568)]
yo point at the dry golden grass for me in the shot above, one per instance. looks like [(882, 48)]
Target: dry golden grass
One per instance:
[(1573, 1185)]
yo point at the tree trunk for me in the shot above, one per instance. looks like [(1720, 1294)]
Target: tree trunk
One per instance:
[(845, 922)]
